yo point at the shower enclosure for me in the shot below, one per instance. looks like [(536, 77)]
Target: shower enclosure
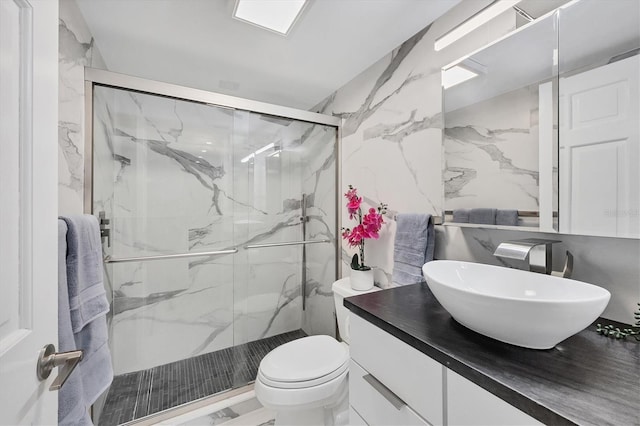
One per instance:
[(219, 224)]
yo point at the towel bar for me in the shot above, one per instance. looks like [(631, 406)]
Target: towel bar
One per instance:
[(521, 213), (109, 259), (437, 220), (287, 243)]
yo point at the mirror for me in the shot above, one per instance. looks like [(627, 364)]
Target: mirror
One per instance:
[(541, 131)]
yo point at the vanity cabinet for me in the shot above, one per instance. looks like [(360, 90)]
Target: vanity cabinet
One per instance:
[(392, 383), (470, 405)]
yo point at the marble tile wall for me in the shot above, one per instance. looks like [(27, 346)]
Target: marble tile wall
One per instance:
[(76, 50), (392, 152), (392, 129)]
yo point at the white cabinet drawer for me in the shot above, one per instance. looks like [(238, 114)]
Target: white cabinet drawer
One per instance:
[(470, 405), (411, 375), (376, 404)]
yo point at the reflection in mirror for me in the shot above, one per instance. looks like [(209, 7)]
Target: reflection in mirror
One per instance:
[(599, 118), (545, 121), (492, 129)]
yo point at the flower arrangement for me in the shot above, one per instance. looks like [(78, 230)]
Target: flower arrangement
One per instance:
[(368, 226)]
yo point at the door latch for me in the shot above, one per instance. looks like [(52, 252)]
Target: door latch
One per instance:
[(49, 359)]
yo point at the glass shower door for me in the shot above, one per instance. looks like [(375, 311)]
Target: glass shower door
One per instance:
[(164, 179), (288, 261), (271, 308), (173, 179)]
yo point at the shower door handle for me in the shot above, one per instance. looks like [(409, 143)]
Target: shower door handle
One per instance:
[(287, 243), (49, 359)]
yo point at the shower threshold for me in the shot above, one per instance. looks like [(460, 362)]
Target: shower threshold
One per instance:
[(143, 393)]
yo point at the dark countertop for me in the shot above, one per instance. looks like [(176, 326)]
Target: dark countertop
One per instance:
[(588, 379)]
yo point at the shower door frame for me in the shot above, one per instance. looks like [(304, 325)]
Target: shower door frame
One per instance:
[(94, 76)]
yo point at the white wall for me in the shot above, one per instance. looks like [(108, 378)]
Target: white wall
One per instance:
[(392, 152)]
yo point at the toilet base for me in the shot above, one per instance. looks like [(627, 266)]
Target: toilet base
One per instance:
[(336, 415)]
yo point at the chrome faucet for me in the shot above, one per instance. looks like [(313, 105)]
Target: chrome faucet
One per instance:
[(537, 253)]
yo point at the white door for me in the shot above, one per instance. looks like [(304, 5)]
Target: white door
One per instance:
[(599, 154), (28, 206)]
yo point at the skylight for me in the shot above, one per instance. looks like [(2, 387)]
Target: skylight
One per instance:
[(273, 15)]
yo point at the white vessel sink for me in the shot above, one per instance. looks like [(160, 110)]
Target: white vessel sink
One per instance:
[(518, 307)]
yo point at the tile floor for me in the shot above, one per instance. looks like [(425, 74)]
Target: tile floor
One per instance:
[(142, 393)]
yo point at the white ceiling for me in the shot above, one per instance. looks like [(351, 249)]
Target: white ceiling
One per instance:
[(197, 43)]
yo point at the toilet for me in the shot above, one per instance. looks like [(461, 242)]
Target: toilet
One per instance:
[(306, 381)]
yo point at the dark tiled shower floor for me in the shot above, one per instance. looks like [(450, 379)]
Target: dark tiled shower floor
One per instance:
[(141, 393)]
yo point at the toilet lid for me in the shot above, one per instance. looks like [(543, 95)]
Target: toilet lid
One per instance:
[(304, 359)]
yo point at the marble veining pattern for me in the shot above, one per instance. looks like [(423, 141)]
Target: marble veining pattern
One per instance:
[(491, 153), (387, 143), (354, 120), (76, 50)]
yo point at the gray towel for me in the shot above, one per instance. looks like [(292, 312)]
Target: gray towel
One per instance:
[(71, 408), (87, 298), (461, 215), (88, 304), (484, 216), (507, 217), (413, 247)]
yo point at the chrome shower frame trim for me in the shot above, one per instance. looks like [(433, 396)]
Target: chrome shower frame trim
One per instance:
[(338, 239), (123, 81), (88, 148)]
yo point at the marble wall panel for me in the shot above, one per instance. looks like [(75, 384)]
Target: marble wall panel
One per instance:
[(76, 50)]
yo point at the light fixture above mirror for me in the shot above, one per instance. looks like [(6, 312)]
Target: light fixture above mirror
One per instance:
[(461, 72), (482, 17)]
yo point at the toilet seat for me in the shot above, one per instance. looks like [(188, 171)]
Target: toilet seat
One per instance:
[(303, 363), (304, 383)]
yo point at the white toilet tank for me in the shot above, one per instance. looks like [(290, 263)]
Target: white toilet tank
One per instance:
[(341, 289)]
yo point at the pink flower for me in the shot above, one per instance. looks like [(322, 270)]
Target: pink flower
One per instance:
[(368, 225), (372, 223), (354, 201), (353, 206), (356, 236), (351, 193), (373, 217)]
